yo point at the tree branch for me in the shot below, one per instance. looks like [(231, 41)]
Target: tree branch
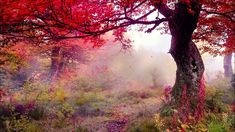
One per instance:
[(164, 9), (224, 14)]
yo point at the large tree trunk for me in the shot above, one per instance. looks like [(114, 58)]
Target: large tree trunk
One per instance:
[(188, 92), (228, 70)]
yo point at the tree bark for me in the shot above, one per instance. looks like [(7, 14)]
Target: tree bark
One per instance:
[(186, 92)]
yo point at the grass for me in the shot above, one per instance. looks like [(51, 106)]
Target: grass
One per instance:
[(85, 107)]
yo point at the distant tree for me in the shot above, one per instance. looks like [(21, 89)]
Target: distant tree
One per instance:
[(228, 70), (62, 56)]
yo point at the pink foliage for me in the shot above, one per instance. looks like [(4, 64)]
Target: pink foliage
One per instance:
[(184, 109), (201, 101), (233, 107), (2, 93), (167, 94)]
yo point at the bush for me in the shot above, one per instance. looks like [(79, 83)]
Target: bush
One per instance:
[(166, 110), (81, 129), (66, 109), (86, 98), (218, 116), (216, 127), (144, 125), (214, 101), (32, 127), (37, 113), (19, 117), (223, 84)]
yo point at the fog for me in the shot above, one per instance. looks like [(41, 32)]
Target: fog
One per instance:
[(146, 64), (143, 67)]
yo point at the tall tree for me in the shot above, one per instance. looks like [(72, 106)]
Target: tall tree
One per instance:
[(202, 20)]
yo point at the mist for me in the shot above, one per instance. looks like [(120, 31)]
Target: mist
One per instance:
[(141, 68)]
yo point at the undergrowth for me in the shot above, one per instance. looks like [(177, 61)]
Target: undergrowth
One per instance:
[(218, 114)]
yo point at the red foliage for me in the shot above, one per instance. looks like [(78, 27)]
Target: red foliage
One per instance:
[(167, 94), (184, 109), (201, 100), (216, 27), (2, 93), (233, 107), (39, 20)]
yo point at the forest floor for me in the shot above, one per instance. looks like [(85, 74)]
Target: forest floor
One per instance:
[(89, 109), (123, 109), (82, 105)]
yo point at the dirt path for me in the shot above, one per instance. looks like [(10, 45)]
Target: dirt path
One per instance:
[(127, 113)]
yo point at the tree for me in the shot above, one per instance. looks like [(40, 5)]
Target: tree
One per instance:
[(228, 70), (37, 25), (188, 21), (62, 55)]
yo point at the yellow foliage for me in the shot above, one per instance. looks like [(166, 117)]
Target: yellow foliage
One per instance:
[(159, 123), (60, 95)]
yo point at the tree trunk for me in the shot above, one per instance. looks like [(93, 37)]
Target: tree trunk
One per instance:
[(188, 91), (228, 71), (55, 63)]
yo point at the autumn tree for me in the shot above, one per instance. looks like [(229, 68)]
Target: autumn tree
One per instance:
[(62, 55), (216, 29), (188, 21), (37, 25)]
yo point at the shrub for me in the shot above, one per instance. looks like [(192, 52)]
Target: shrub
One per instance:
[(66, 109), (37, 113), (166, 110), (223, 84), (60, 95), (21, 124), (216, 126), (213, 101), (143, 126), (19, 117), (89, 110), (60, 121), (218, 116), (81, 129), (32, 127), (86, 98)]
